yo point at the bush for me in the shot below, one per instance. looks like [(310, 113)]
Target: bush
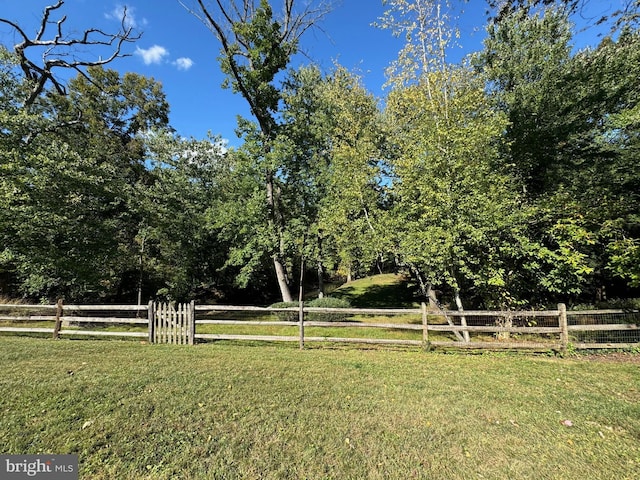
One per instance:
[(286, 316), (328, 302)]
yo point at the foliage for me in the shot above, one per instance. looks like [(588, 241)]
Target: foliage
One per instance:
[(328, 302), (456, 211), (287, 316), (573, 140), (525, 57), (181, 253), (352, 209), (325, 302), (94, 205), (507, 181), (71, 182)]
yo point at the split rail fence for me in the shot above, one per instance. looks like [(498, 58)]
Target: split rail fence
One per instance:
[(189, 323)]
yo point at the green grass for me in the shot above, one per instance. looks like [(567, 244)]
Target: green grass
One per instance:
[(379, 291), (138, 411)]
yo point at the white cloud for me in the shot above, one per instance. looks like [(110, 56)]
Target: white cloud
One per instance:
[(183, 63), (152, 55), (119, 12)]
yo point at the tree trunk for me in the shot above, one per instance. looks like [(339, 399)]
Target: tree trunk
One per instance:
[(506, 321), (431, 295), (281, 276), (141, 270), (320, 280), (424, 289), (427, 292), (320, 267), (275, 222), (463, 319)]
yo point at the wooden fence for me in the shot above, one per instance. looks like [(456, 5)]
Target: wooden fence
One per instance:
[(432, 327), (172, 323), (169, 323)]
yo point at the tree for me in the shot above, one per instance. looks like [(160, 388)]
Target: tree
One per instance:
[(573, 139), (72, 183), (300, 152), (255, 48), (456, 210), (353, 208), (454, 203), (180, 253)]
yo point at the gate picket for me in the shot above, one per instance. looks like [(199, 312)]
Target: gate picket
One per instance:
[(172, 323)]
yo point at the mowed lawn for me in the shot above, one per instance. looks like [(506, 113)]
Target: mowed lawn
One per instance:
[(133, 411)]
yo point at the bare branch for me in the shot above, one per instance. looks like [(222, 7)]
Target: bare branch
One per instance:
[(45, 18), (224, 11), (56, 54)]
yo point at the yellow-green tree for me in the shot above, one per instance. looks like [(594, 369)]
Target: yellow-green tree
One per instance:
[(456, 210)]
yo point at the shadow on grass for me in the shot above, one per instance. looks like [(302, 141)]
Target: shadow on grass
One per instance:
[(401, 294)]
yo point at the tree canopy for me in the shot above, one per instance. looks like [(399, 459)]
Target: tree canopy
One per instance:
[(508, 179)]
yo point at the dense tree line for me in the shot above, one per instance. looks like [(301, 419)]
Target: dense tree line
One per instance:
[(507, 180)]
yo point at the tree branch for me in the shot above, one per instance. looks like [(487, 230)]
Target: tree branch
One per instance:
[(55, 55)]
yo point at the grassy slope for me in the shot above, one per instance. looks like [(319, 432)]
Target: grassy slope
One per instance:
[(223, 411), (378, 291)]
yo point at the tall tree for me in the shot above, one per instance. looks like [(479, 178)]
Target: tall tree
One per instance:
[(456, 210), (73, 176), (255, 47), (452, 202), (573, 137), (301, 152), (180, 253), (353, 209)]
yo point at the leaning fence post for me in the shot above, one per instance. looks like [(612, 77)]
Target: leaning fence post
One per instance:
[(151, 318), (564, 327), (425, 327), (59, 314)]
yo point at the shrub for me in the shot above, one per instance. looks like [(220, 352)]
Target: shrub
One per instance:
[(328, 302), (286, 316)]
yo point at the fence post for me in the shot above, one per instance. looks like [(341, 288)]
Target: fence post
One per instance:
[(301, 323), (564, 327), (59, 314), (151, 309), (425, 327), (192, 322)]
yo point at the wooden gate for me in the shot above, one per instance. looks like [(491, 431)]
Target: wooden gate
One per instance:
[(172, 323)]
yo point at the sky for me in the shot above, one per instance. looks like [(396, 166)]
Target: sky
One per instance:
[(179, 51)]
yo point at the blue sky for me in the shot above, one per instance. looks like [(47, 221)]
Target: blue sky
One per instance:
[(180, 52)]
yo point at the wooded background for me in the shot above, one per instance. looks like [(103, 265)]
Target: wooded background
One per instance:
[(508, 180)]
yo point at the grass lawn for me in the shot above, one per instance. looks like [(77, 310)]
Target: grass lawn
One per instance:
[(134, 411)]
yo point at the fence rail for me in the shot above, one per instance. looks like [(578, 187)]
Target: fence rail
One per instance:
[(188, 323)]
